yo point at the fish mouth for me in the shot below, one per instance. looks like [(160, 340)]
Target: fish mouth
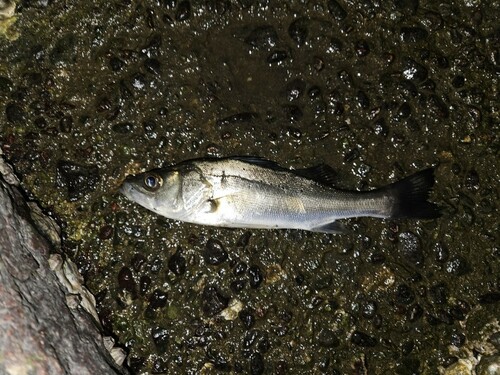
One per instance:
[(125, 188)]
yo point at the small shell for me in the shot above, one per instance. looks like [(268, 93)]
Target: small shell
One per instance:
[(73, 300), (231, 312), (118, 355)]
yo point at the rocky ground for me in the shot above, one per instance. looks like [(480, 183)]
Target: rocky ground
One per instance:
[(92, 91)]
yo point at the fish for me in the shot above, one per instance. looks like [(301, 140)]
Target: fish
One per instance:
[(253, 192)]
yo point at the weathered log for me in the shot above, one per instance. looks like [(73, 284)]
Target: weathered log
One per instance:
[(39, 332)]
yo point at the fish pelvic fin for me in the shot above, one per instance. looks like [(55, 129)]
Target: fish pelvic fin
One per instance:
[(410, 196)]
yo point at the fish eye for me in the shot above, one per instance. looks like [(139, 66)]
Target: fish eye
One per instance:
[(152, 182)]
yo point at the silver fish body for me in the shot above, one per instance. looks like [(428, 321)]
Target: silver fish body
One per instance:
[(250, 192)]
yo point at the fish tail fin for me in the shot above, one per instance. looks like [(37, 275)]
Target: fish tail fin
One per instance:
[(410, 196)]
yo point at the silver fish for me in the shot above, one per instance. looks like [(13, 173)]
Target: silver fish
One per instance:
[(251, 192)]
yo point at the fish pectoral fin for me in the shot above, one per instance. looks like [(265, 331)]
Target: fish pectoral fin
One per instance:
[(209, 206), (333, 227)]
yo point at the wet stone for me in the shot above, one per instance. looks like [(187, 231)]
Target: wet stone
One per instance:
[(152, 66), (318, 63), (244, 240), (458, 81), (335, 46), (362, 339), (158, 299), (262, 37), (126, 280), (459, 311), (439, 293), (149, 128), (213, 301), (160, 338), (294, 89), (64, 50), (183, 11), (5, 85), (218, 359), (404, 295), (281, 368), (429, 86), (160, 366), (361, 48), (240, 268), (136, 364), (77, 179), (15, 113), (407, 88), (472, 180), (256, 276), (415, 313), (40, 123), (362, 99), (116, 64), (410, 248), (139, 81), (457, 266), (404, 111), (156, 265), (298, 31), (489, 298), (123, 128), (153, 45), (247, 318), (214, 252), (314, 92), (137, 261), (237, 285), (257, 366), (414, 71), (380, 127), (292, 113), (408, 366), (351, 155), (437, 107), (327, 338), (177, 263), (413, 34), (277, 56), (106, 232), (239, 118), (66, 124), (336, 10), (263, 344), (407, 6), (369, 309)]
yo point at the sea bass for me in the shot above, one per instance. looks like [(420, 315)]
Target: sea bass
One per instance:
[(252, 192)]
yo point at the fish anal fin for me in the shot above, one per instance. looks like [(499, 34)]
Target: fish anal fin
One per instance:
[(322, 173), (334, 228)]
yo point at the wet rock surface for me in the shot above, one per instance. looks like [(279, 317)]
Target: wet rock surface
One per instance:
[(377, 90)]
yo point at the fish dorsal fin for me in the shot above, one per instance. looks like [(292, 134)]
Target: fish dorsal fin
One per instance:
[(323, 173), (262, 162)]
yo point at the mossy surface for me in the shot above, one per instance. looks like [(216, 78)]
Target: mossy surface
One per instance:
[(92, 91)]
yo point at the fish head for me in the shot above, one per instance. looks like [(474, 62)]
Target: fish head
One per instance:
[(157, 190)]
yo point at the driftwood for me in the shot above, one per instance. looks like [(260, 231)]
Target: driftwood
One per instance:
[(47, 318)]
